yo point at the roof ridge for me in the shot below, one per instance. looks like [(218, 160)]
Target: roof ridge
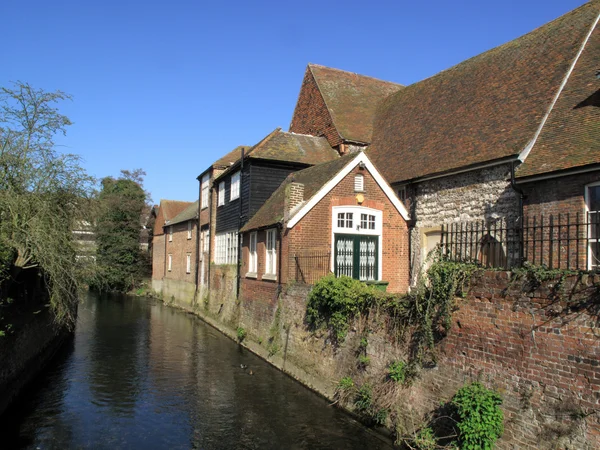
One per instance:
[(354, 73), (262, 142)]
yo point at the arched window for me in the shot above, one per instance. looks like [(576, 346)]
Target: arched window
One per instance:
[(356, 242)]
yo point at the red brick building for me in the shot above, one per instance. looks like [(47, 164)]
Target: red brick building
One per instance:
[(339, 217), (339, 105), (172, 242)]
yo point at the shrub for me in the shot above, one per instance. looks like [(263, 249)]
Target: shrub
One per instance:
[(363, 402), (241, 334), (333, 302), (345, 384), (363, 362), (397, 371), (425, 439), (480, 419)]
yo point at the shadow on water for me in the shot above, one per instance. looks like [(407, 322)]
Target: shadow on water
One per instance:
[(141, 375)]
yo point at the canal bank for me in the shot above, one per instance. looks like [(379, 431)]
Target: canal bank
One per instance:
[(534, 343)]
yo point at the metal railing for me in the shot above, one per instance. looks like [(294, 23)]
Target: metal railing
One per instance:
[(562, 241), (309, 266)]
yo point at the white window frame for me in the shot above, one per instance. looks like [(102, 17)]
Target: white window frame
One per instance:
[(252, 255), (357, 229), (359, 183), (204, 191), (271, 253), (188, 263), (189, 229), (170, 262), (402, 194), (221, 194), (226, 251), (170, 233), (206, 241), (596, 241), (234, 190)]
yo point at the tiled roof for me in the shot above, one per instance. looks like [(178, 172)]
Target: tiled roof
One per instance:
[(292, 147), (289, 147), (191, 212), (486, 108), (571, 136), (170, 209), (352, 100), (313, 178), (230, 158)]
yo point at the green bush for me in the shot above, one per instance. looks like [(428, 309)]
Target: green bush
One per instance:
[(363, 402), (241, 334), (333, 302), (363, 361), (345, 384), (480, 418), (397, 371), (425, 439)]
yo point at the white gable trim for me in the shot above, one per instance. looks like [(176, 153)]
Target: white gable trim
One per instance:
[(525, 152), (360, 158)]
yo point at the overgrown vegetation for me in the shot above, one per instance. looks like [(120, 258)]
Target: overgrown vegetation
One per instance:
[(241, 334), (43, 195)]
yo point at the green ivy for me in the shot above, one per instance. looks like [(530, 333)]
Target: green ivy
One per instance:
[(480, 418)]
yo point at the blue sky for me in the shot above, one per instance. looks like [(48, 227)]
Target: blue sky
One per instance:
[(171, 86)]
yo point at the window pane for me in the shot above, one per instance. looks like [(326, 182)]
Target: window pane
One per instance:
[(349, 220), (341, 220), (371, 222), (594, 255), (363, 221), (594, 198)]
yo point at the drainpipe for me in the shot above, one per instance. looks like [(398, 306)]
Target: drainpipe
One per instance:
[(210, 230), (521, 194), (240, 219), (280, 227), (198, 238)]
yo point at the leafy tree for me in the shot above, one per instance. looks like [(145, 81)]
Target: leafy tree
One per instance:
[(121, 263), (43, 193)]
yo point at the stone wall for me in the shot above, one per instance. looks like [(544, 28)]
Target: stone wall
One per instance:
[(538, 347), (30, 343), (483, 194)]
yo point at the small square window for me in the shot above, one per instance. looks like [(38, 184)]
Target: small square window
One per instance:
[(349, 220), (341, 220)]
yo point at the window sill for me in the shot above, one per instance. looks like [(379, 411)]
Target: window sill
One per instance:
[(269, 277), (251, 275)]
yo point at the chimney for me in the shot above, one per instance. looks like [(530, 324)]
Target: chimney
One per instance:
[(294, 196)]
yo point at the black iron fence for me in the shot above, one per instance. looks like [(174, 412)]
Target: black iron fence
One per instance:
[(309, 266), (562, 241)]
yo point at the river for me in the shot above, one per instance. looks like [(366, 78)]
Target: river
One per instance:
[(140, 375)]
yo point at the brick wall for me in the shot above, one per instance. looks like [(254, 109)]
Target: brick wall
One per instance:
[(558, 195), (311, 115), (313, 231), (179, 248), (158, 257)]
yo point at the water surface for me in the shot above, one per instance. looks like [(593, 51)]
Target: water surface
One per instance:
[(139, 375)]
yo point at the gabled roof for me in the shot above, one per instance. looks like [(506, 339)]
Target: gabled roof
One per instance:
[(168, 209), (352, 100), (318, 181), (485, 109), (171, 208), (290, 147), (189, 213)]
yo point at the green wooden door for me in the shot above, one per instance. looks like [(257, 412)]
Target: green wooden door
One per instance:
[(356, 256)]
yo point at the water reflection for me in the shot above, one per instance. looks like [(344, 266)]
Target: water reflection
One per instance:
[(141, 375)]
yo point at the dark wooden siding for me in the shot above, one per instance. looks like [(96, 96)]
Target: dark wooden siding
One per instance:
[(259, 180), (266, 178)]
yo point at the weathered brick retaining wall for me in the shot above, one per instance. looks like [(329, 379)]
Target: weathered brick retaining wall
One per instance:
[(538, 347)]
